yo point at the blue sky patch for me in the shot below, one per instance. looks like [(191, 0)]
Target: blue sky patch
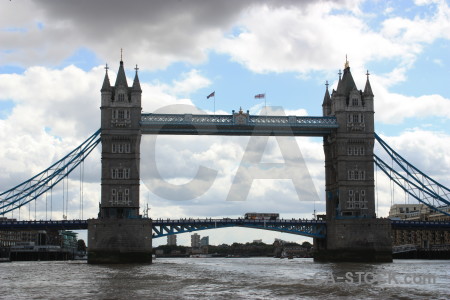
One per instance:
[(430, 72), (11, 69), (6, 107), (15, 29), (83, 58), (40, 25)]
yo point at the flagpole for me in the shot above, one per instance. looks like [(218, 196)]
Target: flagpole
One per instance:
[(265, 102), (214, 103)]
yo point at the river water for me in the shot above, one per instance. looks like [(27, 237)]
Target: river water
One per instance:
[(226, 278)]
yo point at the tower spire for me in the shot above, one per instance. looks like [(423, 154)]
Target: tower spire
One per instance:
[(136, 85), (368, 88), (121, 79), (326, 101), (106, 85)]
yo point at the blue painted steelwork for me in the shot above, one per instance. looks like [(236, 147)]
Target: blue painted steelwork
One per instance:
[(414, 182), (236, 124), (425, 182), (421, 195), (36, 186), (310, 228)]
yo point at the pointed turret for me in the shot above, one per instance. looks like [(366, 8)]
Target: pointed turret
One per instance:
[(136, 84), (326, 98), (106, 87), (121, 79), (368, 88), (326, 105), (346, 84)]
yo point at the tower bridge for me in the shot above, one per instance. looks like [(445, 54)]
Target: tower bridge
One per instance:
[(350, 232), (347, 126)]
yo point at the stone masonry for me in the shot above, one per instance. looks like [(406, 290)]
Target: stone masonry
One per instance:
[(120, 234), (353, 231)]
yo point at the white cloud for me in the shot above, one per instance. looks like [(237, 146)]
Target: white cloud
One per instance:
[(190, 82), (394, 108), (427, 150), (303, 40), (160, 32)]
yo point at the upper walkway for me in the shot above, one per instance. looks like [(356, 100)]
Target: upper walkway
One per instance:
[(236, 124)]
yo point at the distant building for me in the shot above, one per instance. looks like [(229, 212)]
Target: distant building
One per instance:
[(38, 244), (62, 238), (423, 238), (279, 241), (172, 240), (195, 241), (418, 212), (204, 241), (257, 241)]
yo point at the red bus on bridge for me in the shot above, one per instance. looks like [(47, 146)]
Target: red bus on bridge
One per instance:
[(262, 216)]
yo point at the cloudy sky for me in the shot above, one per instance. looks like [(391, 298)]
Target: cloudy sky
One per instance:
[(52, 58)]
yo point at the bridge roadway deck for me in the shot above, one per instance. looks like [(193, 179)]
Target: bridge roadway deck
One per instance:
[(161, 227), (236, 124)]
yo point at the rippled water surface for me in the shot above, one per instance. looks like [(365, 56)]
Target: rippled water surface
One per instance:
[(226, 278)]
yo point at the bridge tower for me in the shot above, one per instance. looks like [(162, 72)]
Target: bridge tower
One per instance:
[(353, 231), (120, 234)]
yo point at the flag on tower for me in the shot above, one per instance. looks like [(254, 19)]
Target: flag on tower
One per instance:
[(259, 96), (213, 94)]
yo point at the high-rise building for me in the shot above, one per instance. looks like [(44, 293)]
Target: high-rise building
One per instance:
[(204, 241), (195, 240), (172, 240)]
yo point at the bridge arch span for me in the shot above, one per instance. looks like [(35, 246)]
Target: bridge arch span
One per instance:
[(309, 228)]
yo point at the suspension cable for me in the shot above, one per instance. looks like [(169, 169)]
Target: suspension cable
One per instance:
[(391, 184), (51, 203), (79, 213), (82, 193), (81, 189), (63, 198), (67, 196), (45, 180)]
